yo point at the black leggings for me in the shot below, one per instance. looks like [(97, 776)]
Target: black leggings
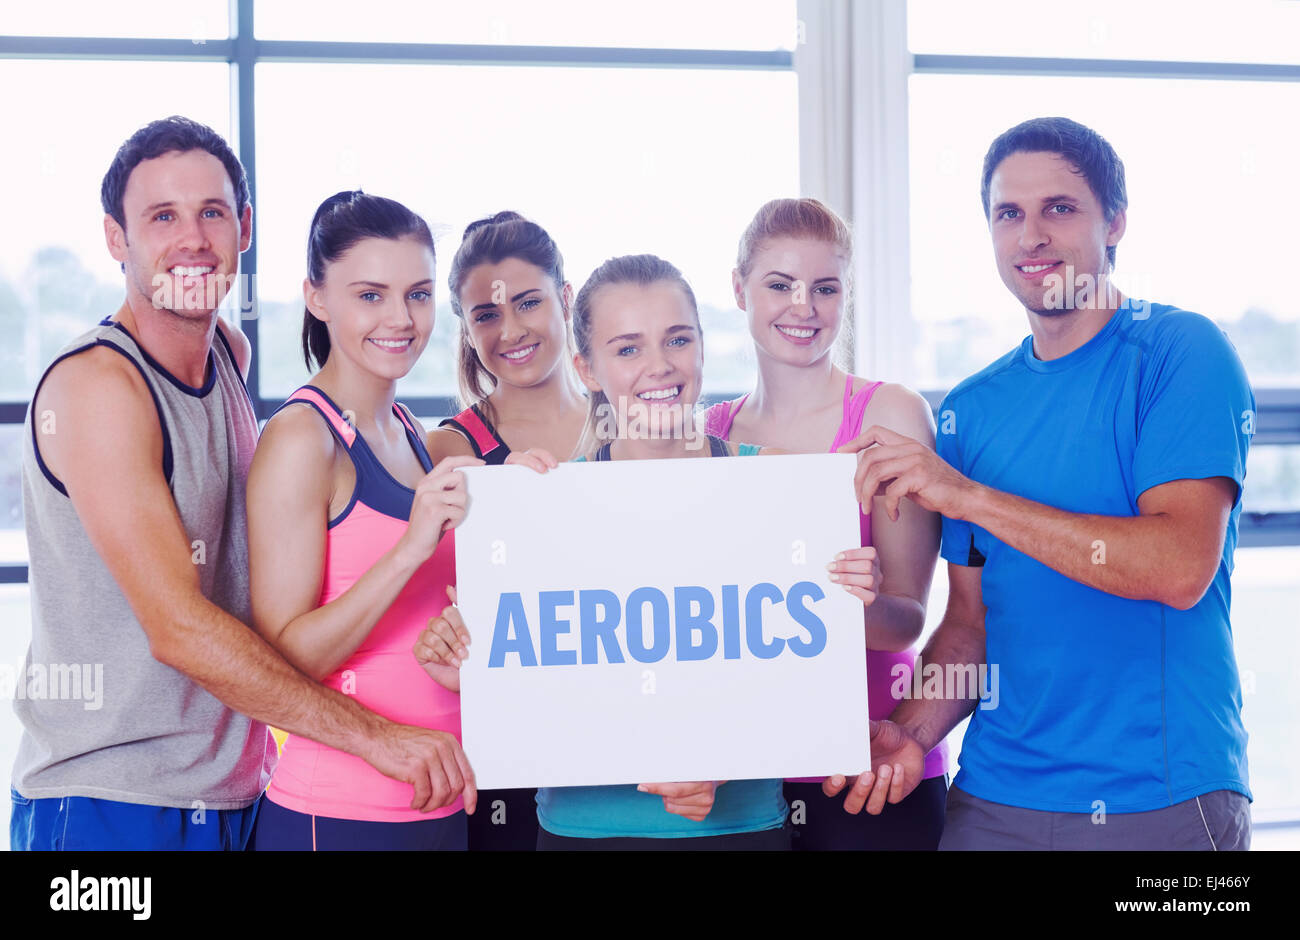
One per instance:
[(504, 821), (821, 825)]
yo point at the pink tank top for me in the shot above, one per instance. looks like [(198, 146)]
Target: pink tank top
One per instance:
[(381, 673), (886, 671)]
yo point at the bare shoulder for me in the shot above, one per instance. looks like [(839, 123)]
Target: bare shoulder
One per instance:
[(109, 373), (295, 438), (447, 442), (239, 344), (95, 389), (900, 409)]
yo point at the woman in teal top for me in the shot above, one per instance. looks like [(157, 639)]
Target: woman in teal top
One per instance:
[(640, 355)]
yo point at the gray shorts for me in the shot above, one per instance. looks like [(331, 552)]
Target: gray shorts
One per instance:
[(1217, 821)]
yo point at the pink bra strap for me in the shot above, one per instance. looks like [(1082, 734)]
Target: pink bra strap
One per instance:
[(401, 414), (342, 427), (854, 410), (733, 409)]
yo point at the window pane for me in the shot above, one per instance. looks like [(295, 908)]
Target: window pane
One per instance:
[(56, 276), (13, 541), (674, 24), (609, 161), (140, 19), (1265, 595), (1209, 226), (1272, 479), (1191, 30)]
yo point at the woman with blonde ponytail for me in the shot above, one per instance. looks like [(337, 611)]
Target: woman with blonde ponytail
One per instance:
[(793, 280)]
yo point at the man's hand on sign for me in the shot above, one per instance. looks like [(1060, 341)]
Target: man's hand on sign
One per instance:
[(899, 764), (857, 570), (443, 645), (692, 800), (898, 466)]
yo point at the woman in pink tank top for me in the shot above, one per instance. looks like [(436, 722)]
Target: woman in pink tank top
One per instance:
[(350, 539), (792, 279)]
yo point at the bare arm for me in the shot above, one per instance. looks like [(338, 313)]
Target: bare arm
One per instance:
[(128, 513), (447, 442), (899, 745), (289, 491), (1168, 553), (959, 640), (909, 546)]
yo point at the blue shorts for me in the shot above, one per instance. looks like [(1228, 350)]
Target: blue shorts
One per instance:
[(82, 823)]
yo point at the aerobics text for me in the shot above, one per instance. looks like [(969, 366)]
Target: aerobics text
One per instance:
[(691, 624)]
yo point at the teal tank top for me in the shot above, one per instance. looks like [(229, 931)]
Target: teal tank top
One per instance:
[(625, 812)]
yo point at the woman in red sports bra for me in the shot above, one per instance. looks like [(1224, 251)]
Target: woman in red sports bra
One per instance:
[(508, 288), (792, 278)]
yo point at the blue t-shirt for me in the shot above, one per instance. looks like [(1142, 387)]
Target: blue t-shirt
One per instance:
[(1131, 703), (624, 811)]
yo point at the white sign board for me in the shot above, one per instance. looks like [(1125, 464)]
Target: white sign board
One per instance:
[(661, 620)]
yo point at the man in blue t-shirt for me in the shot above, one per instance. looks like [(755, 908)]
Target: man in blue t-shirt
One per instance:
[(1090, 484)]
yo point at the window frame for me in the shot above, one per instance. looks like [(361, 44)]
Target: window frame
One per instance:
[(242, 51)]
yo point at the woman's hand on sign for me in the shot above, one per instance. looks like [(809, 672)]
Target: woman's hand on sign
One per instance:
[(443, 645), (440, 502), (899, 765), (535, 457), (692, 800), (857, 570)]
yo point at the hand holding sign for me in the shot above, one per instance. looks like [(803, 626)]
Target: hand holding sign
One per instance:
[(443, 645), (899, 763), (439, 504), (692, 800), (857, 570)]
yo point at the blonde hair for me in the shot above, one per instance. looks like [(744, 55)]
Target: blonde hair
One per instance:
[(807, 219), (642, 270)]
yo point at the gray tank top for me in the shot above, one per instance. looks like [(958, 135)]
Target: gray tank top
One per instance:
[(101, 717)]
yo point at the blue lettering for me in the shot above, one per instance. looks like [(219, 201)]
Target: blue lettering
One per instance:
[(599, 628), (688, 622), (551, 627), (799, 612), (636, 647), (754, 621), (510, 613), (731, 621)]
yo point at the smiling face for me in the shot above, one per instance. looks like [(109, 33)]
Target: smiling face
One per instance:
[(517, 320), (794, 295), (182, 239), (646, 356), (1047, 224), (378, 301)]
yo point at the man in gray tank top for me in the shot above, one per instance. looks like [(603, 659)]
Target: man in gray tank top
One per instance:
[(144, 696)]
